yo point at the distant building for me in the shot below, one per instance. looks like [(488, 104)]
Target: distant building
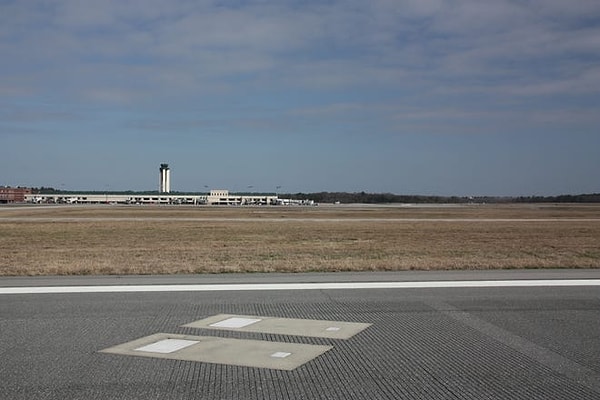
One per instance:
[(216, 197), (13, 195), (222, 197)]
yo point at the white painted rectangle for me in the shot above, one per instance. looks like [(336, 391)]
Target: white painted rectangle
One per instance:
[(167, 346), (280, 354), (235, 322)]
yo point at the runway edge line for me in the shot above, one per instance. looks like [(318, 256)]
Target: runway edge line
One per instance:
[(298, 286)]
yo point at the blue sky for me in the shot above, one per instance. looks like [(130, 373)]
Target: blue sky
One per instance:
[(410, 97)]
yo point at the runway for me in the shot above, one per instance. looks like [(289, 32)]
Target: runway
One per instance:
[(502, 342)]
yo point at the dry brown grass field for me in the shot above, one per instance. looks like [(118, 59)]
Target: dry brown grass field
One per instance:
[(66, 240)]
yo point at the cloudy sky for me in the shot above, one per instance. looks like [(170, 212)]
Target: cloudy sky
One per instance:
[(445, 97)]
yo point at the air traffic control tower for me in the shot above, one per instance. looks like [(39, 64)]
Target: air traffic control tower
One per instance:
[(165, 179)]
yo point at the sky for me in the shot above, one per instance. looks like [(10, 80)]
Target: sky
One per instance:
[(433, 97)]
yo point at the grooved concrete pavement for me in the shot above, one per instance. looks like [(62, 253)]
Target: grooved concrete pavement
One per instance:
[(453, 343)]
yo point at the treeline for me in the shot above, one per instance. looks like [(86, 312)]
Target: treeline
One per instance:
[(379, 198), (565, 198), (371, 198)]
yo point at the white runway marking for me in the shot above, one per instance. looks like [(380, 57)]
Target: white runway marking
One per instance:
[(299, 286), (167, 346), (235, 322)]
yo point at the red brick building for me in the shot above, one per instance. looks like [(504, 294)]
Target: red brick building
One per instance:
[(13, 195)]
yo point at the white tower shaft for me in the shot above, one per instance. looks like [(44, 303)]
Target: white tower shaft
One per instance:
[(168, 181), (164, 179)]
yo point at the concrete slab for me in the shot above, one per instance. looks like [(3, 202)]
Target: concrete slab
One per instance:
[(246, 353), (281, 326)]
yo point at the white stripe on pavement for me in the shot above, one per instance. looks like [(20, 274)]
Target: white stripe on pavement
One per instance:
[(299, 286)]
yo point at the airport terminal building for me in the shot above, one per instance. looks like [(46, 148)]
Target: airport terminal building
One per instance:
[(164, 195), (215, 197)]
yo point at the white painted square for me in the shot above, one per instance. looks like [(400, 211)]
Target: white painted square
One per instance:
[(167, 346), (333, 329), (280, 354), (235, 322)]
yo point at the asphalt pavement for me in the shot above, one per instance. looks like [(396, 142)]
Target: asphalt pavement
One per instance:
[(422, 343)]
